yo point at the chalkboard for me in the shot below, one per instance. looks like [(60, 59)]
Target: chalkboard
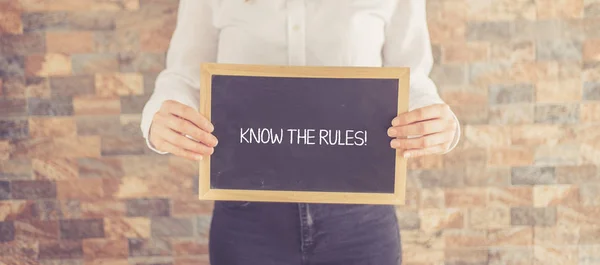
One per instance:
[(303, 134)]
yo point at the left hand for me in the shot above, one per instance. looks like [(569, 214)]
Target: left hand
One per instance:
[(433, 128)]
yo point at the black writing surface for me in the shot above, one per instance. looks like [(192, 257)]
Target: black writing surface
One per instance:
[(303, 134)]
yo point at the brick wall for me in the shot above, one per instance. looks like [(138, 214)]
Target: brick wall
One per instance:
[(78, 186)]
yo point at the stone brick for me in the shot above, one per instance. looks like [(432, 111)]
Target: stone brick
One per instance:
[(37, 87), (510, 156), (561, 91), (117, 41), (16, 210), (100, 248), (50, 107), (142, 62), (589, 255), (436, 219), (538, 30), (4, 190), (63, 249), (554, 255), (465, 52), (408, 219), (430, 198), (82, 189), (510, 196), (436, 178), (191, 207), (590, 194), (187, 247), (14, 129), (465, 197), (515, 236), (63, 147), (119, 84), (54, 210), (102, 209), (10, 12), (577, 174), (15, 169), (486, 135), (148, 207), (69, 86), (465, 238), (130, 123), (455, 74), (13, 107), (122, 145), (591, 91), (52, 127), (591, 8), (106, 167), (7, 231), (557, 114), (533, 175), (98, 125), (466, 256), (544, 196), (590, 112), (22, 44), (55, 169), (51, 64), (68, 21), (484, 176), (33, 190), (11, 65), (540, 134), (203, 225), (157, 39), (533, 72), (121, 228), (149, 247), (70, 42), (471, 114), (513, 51), (81, 229), (513, 256), (36, 231), (591, 50), (95, 63), (529, 216), (489, 218), (590, 71), (511, 114), (589, 235), (488, 31), (171, 227), (87, 105), (13, 87), (560, 50), (548, 9), (509, 94), (133, 104)]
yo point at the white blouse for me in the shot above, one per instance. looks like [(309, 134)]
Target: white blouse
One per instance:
[(374, 33)]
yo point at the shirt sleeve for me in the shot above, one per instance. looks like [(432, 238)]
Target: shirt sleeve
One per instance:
[(194, 41), (408, 44)]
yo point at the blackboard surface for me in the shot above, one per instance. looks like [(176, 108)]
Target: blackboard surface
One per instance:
[(247, 109)]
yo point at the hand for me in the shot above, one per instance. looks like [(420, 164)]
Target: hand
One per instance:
[(433, 128), (172, 125)]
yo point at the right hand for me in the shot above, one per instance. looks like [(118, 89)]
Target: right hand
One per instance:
[(173, 122)]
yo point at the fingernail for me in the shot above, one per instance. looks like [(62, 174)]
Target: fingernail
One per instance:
[(394, 144), (198, 157), (407, 155), (395, 122), (392, 132)]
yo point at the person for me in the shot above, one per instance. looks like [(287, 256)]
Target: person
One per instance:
[(375, 33)]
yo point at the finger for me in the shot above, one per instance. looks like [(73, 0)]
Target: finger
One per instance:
[(181, 141), (423, 141), (421, 114), (432, 150), (185, 127), (189, 114), (169, 147), (420, 128)]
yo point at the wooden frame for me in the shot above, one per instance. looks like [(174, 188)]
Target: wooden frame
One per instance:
[(210, 69)]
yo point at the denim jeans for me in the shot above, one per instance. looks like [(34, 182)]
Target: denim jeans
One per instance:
[(244, 233)]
